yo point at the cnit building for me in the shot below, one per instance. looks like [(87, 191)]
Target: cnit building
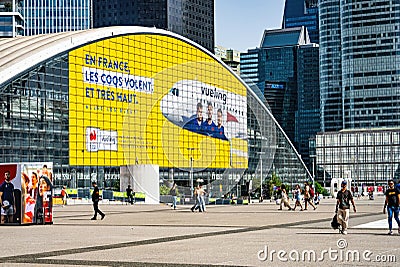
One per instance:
[(97, 101)]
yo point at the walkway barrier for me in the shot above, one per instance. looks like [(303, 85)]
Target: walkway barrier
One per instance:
[(84, 193), (108, 194)]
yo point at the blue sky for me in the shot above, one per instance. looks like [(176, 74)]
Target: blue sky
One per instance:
[(240, 24)]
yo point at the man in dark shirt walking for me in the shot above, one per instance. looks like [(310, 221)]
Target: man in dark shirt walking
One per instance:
[(392, 202), (129, 194), (344, 197), (95, 199)]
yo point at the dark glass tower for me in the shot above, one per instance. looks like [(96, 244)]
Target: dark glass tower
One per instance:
[(285, 69), (302, 13), (190, 18), (273, 67), (308, 120)]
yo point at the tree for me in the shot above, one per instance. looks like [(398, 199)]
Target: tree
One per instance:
[(318, 188), (164, 190)]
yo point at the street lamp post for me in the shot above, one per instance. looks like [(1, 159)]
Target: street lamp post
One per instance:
[(313, 163), (191, 177), (261, 175), (261, 180), (191, 170)]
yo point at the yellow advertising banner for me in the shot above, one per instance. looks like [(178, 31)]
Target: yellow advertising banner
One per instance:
[(154, 99)]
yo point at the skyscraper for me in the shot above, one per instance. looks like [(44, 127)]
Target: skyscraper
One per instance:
[(273, 67), (193, 19), (359, 68), (11, 20), (308, 122), (302, 13), (52, 16)]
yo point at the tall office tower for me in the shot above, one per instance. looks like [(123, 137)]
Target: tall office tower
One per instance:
[(273, 67), (359, 71), (308, 122), (250, 62), (11, 20), (193, 19), (52, 16), (299, 13)]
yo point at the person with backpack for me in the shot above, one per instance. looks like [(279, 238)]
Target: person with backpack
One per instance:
[(344, 198), (308, 196)]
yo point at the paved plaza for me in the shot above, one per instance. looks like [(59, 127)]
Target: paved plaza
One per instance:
[(243, 235)]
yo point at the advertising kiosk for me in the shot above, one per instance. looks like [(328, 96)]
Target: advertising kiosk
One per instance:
[(32, 195)]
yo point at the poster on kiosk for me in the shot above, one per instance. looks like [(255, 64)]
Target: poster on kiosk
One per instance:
[(33, 191)]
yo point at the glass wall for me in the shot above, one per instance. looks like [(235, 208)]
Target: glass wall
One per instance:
[(143, 99), (368, 157), (52, 16)]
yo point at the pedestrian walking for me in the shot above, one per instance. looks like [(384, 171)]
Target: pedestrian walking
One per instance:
[(95, 199), (201, 193), (284, 198), (344, 197), (392, 202), (129, 194), (317, 198), (308, 196), (197, 204), (173, 193), (297, 197), (64, 196)]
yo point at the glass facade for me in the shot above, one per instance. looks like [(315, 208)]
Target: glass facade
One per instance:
[(368, 157), (52, 16), (285, 70), (138, 98), (280, 85), (302, 13), (359, 72), (307, 120), (11, 20), (249, 64), (193, 19)]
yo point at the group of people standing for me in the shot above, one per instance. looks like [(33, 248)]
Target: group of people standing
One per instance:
[(308, 197)]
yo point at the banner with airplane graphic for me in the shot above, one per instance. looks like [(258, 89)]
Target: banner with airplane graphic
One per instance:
[(154, 99)]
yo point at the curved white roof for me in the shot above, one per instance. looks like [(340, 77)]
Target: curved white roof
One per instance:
[(21, 53)]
